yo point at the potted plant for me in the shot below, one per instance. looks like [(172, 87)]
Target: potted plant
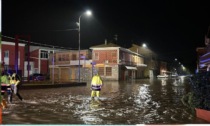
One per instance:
[(199, 97)]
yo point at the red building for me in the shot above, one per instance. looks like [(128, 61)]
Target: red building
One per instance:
[(38, 60), (116, 63), (39, 55), (8, 55)]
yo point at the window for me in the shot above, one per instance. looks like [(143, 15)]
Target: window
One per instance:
[(67, 57), (73, 56), (108, 71), (63, 57), (81, 56), (123, 57), (59, 57), (44, 54), (114, 55), (6, 54), (36, 70), (96, 56), (29, 67), (114, 61), (6, 67), (101, 71)]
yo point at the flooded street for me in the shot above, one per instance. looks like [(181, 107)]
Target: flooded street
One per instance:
[(143, 101)]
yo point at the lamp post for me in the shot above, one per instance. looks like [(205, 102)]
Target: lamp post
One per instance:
[(87, 13)]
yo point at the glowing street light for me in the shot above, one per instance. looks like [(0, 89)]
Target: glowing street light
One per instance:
[(144, 45), (88, 13)]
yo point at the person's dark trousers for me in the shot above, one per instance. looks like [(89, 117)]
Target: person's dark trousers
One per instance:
[(15, 91)]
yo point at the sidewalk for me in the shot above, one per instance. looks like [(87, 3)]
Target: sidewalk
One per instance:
[(48, 84)]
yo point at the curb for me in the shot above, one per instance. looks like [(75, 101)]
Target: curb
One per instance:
[(43, 86)]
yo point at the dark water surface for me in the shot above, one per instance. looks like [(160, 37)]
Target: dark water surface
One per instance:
[(145, 101)]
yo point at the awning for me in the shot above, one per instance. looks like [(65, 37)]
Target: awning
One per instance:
[(141, 65), (131, 68)]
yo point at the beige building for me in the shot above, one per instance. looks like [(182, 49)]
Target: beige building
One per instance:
[(150, 59), (64, 67)]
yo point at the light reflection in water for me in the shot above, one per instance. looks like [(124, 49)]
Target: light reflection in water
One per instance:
[(163, 82)]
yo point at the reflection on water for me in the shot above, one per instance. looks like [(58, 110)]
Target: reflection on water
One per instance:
[(163, 81), (147, 101)]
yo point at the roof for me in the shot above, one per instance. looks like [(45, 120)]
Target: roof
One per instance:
[(110, 45), (141, 50), (32, 48), (11, 43), (105, 45)]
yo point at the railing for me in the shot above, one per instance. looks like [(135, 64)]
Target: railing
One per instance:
[(128, 63), (82, 62)]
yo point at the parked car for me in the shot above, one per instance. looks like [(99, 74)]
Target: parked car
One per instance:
[(37, 77)]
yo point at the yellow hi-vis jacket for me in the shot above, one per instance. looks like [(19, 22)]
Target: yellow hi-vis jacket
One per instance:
[(96, 82), (4, 79), (14, 79), (14, 82)]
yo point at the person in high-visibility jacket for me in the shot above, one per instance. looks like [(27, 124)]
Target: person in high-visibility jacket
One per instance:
[(96, 85), (14, 83), (5, 87)]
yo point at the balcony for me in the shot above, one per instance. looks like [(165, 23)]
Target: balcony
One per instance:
[(82, 62), (132, 63)]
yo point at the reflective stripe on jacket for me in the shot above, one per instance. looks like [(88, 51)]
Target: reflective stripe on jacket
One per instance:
[(95, 87)]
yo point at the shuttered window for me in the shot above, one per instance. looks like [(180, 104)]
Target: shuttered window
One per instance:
[(101, 71), (108, 71), (96, 56)]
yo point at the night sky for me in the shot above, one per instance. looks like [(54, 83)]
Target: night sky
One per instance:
[(170, 28)]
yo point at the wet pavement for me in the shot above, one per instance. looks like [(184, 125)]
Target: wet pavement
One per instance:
[(144, 101)]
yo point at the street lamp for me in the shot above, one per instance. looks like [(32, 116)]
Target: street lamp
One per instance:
[(144, 45), (87, 13)]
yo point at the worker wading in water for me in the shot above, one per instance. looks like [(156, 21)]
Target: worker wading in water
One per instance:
[(5, 87), (14, 83), (96, 85)]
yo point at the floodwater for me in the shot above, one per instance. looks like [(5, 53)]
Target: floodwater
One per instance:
[(144, 101)]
